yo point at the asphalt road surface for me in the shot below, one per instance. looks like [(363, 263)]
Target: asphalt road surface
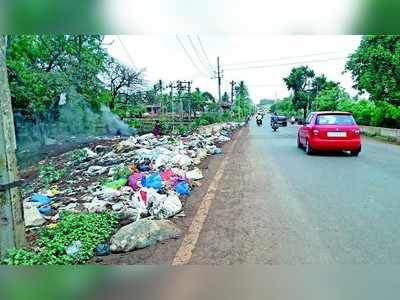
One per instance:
[(276, 205)]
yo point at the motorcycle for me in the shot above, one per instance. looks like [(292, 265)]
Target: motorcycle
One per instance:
[(275, 126), (259, 122)]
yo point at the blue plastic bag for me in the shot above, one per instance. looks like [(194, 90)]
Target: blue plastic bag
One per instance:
[(102, 250), (42, 199), (152, 181), (182, 188), (46, 210)]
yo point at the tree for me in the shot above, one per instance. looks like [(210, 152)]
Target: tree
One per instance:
[(329, 97), (123, 80), (41, 67), (198, 101), (375, 67), (299, 81)]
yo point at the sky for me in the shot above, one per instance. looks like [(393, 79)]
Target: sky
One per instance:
[(261, 60)]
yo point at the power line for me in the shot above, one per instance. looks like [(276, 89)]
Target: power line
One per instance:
[(265, 84), (287, 64), (188, 55), (198, 54), (282, 58), (204, 52), (126, 51)]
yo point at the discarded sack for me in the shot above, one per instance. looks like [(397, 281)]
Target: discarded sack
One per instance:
[(143, 233), (166, 207), (195, 174)]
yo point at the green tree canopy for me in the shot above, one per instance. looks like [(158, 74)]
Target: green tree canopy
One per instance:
[(375, 67)]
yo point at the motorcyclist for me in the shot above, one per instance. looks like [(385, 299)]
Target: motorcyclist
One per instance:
[(259, 119), (274, 118)]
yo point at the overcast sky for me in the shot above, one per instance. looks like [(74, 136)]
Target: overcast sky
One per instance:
[(264, 59)]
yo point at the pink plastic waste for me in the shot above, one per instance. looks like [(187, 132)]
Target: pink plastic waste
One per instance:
[(134, 179), (166, 175)]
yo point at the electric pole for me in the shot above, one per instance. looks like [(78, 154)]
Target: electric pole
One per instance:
[(12, 231), (232, 90), (171, 98), (219, 76)]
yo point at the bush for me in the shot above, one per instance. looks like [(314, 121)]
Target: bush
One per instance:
[(49, 173), (365, 112), (183, 130), (77, 156), (90, 229)]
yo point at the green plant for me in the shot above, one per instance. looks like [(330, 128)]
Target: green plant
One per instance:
[(49, 173), (77, 156), (183, 130), (89, 229)]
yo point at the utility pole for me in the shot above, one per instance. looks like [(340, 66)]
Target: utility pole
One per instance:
[(232, 90), (171, 98), (219, 76), (12, 231)]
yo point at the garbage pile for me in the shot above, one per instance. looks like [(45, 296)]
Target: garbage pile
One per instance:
[(142, 178)]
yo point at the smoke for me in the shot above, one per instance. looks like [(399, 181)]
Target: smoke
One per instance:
[(70, 121), (114, 124)]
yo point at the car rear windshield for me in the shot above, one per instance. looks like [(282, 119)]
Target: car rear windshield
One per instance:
[(336, 119)]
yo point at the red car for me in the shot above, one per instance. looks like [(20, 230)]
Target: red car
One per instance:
[(330, 131)]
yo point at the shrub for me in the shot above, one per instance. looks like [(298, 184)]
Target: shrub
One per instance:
[(90, 229), (49, 173)]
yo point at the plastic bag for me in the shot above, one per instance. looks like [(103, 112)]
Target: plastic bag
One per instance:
[(166, 175), (166, 207), (152, 181), (195, 174), (40, 198), (117, 184), (183, 188), (103, 250), (134, 179)]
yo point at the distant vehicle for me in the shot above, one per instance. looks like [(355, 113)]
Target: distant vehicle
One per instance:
[(275, 126), (330, 131), (282, 121)]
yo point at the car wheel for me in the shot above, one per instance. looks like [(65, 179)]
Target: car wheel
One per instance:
[(355, 153), (299, 145), (309, 150)]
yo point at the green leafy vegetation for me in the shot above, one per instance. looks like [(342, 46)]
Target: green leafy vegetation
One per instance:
[(49, 173), (78, 155), (89, 229)]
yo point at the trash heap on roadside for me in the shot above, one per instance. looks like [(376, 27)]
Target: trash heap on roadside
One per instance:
[(142, 179)]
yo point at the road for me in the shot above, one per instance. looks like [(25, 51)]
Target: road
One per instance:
[(276, 205)]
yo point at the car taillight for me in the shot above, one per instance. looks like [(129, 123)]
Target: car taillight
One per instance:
[(316, 131), (357, 132)]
